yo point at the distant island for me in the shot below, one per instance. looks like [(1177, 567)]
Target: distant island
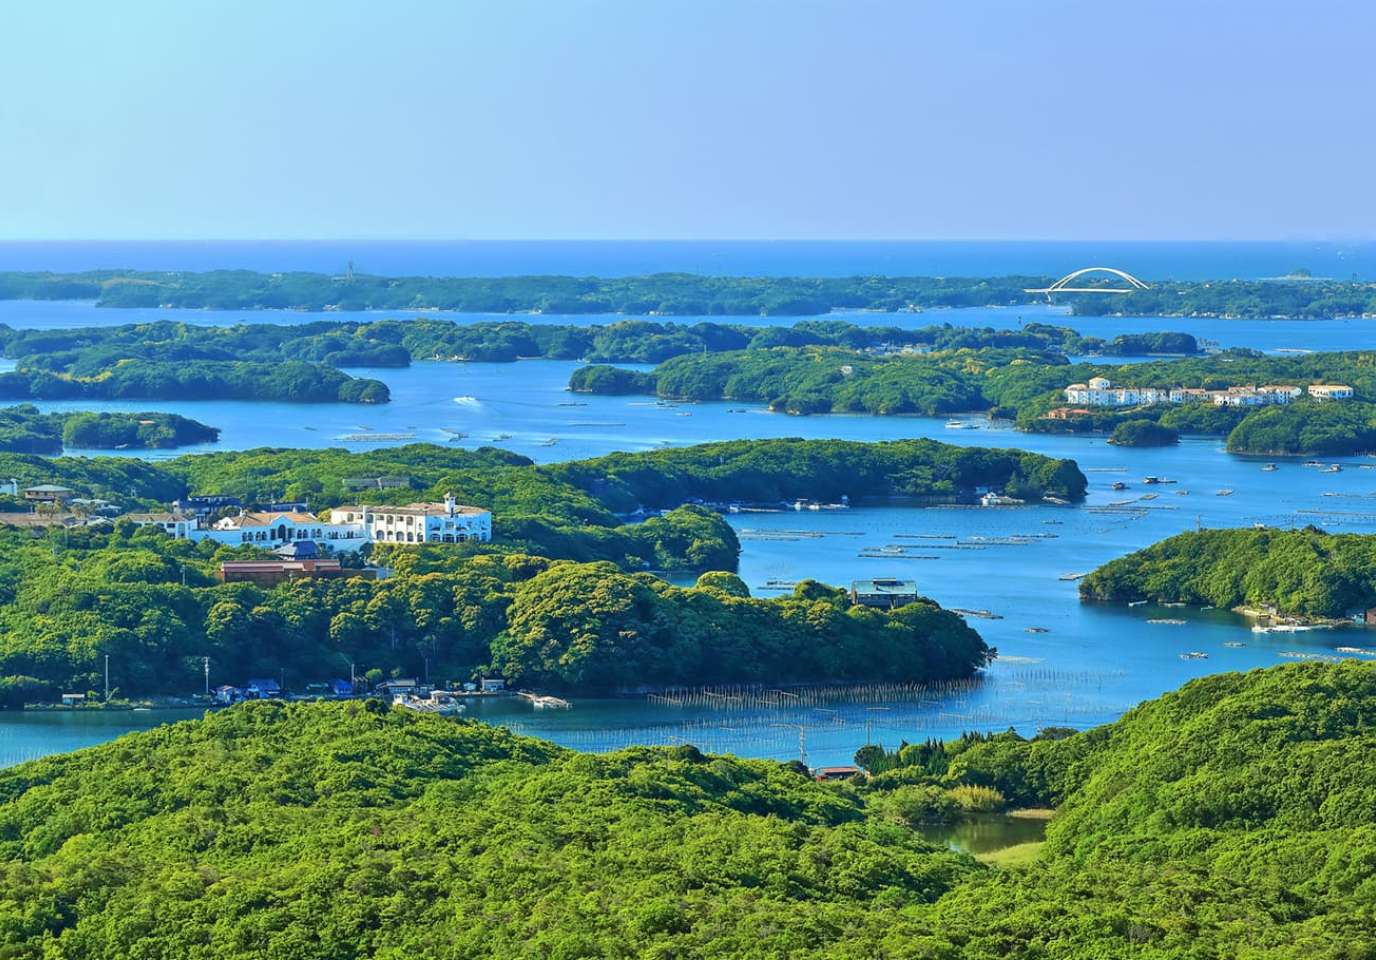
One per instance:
[(1296, 573), (679, 294), (1310, 404), (23, 429)]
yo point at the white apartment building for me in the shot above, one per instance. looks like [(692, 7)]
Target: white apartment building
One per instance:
[(1099, 392), (274, 529), (1330, 391), (447, 522)]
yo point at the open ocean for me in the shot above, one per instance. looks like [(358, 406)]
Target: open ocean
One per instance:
[(831, 258)]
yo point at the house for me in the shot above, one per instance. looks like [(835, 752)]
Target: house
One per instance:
[(447, 522), (203, 505), (228, 695), (1330, 391), (1067, 413), (298, 550), (287, 506), (492, 685), (179, 525), (847, 772), (48, 493), (10, 487), (73, 699), (268, 573), (402, 687), (883, 593), (341, 688), (37, 521), (262, 689)]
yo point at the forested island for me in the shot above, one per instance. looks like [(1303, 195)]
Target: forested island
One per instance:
[(23, 429), (1235, 809), (559, 597), (1028, 387), (88, 351), (1297, 573), (680, 294), (289, 382)]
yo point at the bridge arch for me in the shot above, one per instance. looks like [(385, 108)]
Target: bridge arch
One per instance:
[(1064, 285)]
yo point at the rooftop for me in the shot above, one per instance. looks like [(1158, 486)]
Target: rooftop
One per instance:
[(885, 585), (252, 519), (414, 509)]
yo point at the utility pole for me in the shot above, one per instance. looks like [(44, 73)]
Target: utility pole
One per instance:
[(204, 660), (107, 677)]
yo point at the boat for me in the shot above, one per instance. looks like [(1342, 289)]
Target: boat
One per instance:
[(502, 436), (1118, 485), (1168, 621), (1035, 630), (1137, 603), (1224, 492), (1058, 501), (979, 614), (1071, 577), (1333, 468), (1269, 468), (374, 437), (1312, 463), (1148, 496), (1234, 644), (1182, 493), (1194, 655), (549, 441)]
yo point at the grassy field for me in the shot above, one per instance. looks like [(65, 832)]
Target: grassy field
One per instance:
[(1018, 855)]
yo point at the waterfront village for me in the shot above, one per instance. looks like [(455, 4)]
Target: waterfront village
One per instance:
[(1100, 392)]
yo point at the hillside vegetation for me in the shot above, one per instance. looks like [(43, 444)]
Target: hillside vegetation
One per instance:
[(1298, 572), (1231, 818)]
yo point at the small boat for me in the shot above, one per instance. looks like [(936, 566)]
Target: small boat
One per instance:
[(1149, 496), (1269, 468), (549, 441), (1035, 630), (1312, 463), (1118, 485), (1137, 603), (1194, 655), (1167, 621), (1224, 492), (1182, 493), (980, 614), (1333, 468), (502, 436), (1234, 644), (1071, 577)]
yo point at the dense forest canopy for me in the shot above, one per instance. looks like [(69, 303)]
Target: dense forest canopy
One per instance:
[(87, 351), (1231, 818), (679, 294), (1298, 572), (153, 605)]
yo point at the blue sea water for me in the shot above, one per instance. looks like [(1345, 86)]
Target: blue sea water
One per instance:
[(608, 258)]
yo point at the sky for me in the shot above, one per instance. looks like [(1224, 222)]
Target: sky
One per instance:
[(700, 119)]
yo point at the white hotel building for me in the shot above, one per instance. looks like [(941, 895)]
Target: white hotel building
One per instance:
[(347, 529), (446, 522), (1099, 392)]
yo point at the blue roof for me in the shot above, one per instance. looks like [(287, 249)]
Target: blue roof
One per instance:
[(263, 684)]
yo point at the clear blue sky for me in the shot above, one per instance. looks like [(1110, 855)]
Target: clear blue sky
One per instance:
[(687, 119)]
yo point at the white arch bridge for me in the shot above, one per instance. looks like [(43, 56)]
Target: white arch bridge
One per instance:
[(1063, 285)]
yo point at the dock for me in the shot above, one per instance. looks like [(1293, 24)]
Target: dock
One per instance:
[(543, 701)]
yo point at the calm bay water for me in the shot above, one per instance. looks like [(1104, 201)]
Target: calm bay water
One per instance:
[(1061, 662)]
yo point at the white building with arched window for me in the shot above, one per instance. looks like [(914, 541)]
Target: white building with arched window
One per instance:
[(447, 522), (274, 529)]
